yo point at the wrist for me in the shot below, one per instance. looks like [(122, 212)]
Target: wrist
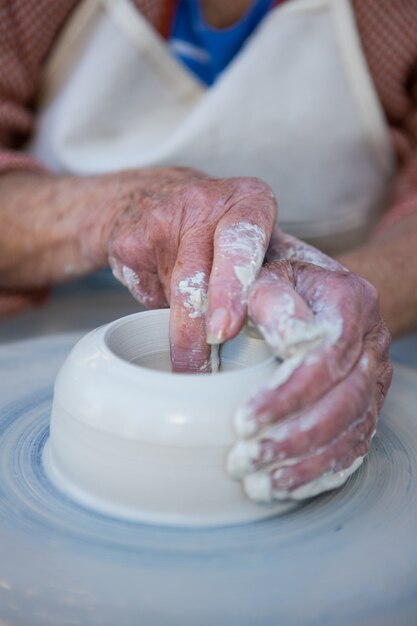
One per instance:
[(46, 222), (387, 262), (56, 228)]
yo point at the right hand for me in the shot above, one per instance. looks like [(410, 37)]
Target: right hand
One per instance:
[(312, 423)]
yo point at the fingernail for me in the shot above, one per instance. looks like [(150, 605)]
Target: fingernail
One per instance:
[(217, 324), (258, 487), (244, 422), (242, 458)]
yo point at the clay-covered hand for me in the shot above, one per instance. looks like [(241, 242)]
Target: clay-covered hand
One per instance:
[(196, 243), (171, 235), (312, 424)]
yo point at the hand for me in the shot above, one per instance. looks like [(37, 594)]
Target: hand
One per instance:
[(171, 235), (14, 302), (195, 243), (312, 424)]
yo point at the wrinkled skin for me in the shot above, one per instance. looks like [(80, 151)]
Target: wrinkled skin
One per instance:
[(187, 236), (190, 235), (309, 308), (174, 235), (323, 415)]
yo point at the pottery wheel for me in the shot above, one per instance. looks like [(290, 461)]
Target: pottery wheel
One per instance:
[(347, 557)]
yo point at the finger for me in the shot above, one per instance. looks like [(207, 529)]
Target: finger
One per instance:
[(285, 246), (190, 351), (283, 317), (344, 309), (240, 241), (310, 430), (144, 286), (314, 474), (379, 340), (343, 302)]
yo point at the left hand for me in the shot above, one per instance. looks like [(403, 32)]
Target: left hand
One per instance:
[(16, 302), (197, 243), (310, 427)]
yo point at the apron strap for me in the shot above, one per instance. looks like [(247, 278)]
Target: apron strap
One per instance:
[(71, 43), (68, 49)]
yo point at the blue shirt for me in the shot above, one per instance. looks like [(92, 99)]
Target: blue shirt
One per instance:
[(205, 50)]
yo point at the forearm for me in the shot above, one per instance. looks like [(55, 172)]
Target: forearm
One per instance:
[(389, 262), (47, 228), (55, 228)]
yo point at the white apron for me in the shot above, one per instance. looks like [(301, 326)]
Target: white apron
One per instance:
[(296, 107)]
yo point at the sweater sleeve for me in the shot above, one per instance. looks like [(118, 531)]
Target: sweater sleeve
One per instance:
[(388, 33), (28, 29), (403, 198)]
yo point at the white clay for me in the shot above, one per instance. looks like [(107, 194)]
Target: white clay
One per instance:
[(258, 485), (215, 358), (194, 292), (244, 424), (132, 440), (241, 460), (130, 278), (247, 241)]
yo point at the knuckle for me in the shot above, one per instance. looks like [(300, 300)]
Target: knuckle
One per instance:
[(209, 192), (123, 245), (383, 339), (199, 192), (370, 292), (255, 185)]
